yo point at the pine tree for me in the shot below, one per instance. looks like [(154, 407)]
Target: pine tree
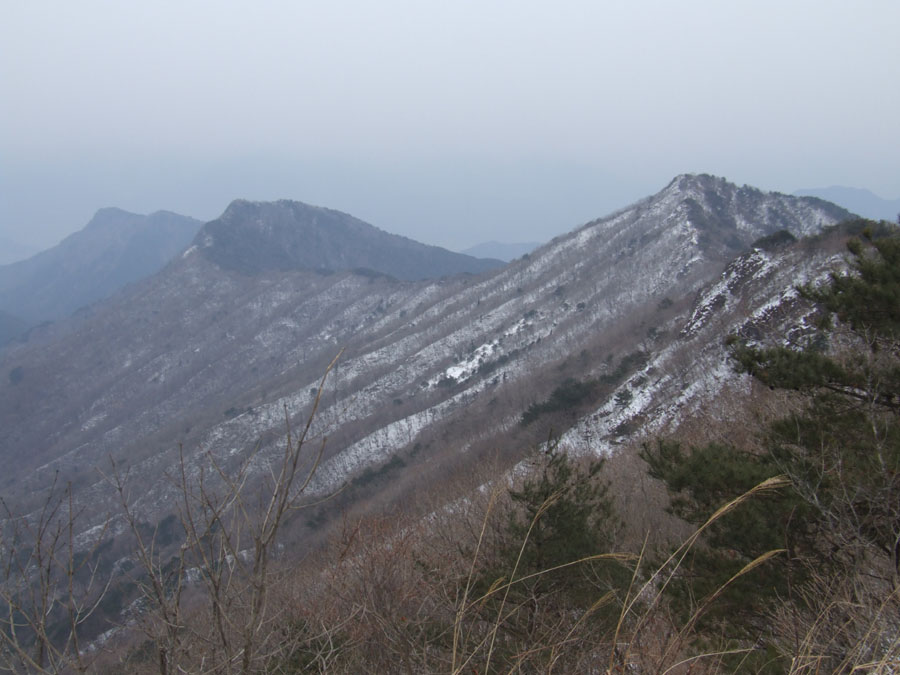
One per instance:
[(842, 451), (549, 564), (840, 520), (564, 514)]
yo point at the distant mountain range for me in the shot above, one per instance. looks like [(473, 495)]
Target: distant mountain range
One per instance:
[(115, 248), (12, 251), (253, 237), (501, 250), (858, 201), (209, 352)]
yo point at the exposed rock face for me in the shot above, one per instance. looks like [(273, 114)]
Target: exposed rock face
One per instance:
[(210, 351), (253, 237)]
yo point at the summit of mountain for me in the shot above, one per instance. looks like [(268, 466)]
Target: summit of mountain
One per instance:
[(726, 218), (212, 352), (252, 237), (115, 248)]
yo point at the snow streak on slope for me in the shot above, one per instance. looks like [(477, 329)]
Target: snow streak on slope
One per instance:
[(211, 358), (756, 295)]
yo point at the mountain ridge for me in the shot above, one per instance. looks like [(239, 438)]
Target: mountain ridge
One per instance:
[(600, 342), (13, 251), (209, 357), (114, 248), (595, 344), (251, 237)]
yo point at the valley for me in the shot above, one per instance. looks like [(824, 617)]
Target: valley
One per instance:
[(598, 341), (208, 357)]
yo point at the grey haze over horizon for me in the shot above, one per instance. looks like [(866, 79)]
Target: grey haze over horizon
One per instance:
[(451, 124)]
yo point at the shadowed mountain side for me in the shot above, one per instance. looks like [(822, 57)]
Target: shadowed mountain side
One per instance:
[(252, 237), (115, 248), (11, 327), (12, 251), (211, 358)]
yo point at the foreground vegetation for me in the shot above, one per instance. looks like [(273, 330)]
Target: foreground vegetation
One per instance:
[(778, 555)]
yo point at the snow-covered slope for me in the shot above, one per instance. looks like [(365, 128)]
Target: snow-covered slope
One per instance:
[(756, 298), (209, 357)]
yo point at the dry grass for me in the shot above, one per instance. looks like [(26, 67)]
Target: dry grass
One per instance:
[(408, 594)]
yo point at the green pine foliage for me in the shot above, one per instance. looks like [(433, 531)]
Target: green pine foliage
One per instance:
[(553, 558), (572, 395), (840, 520), (564, 514), (869, 300), (701, 481), (843, 450), (567, 397)]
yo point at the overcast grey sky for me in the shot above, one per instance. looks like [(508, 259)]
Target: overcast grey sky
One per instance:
[(450, 122)]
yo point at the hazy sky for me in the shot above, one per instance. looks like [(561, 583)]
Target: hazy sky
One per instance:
[(450, 122)]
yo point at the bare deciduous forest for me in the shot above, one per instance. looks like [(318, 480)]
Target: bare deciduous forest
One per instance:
[(765, 542)]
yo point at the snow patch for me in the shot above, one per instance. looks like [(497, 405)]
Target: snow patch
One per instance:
[(93, 421)]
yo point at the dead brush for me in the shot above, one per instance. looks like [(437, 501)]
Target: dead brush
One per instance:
[(634, 643)]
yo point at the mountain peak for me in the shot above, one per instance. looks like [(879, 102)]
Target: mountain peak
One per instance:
[(116, 247), (720, 208), (703, 183), (111, 216), (252, 237)]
